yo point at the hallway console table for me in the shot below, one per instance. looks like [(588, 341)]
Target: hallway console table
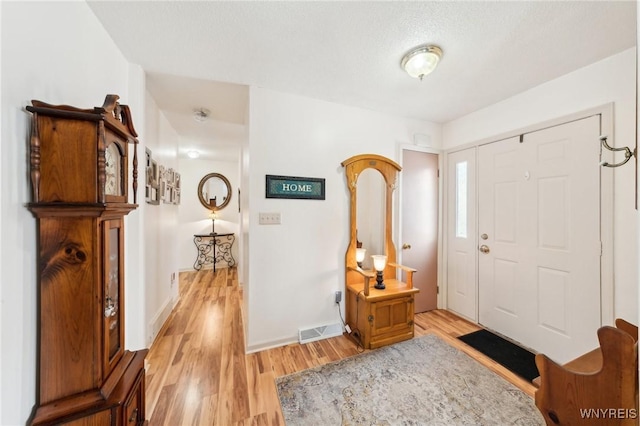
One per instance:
[(212, 249)]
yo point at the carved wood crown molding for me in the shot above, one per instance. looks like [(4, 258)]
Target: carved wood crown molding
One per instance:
[(111, 116), (356, 164)]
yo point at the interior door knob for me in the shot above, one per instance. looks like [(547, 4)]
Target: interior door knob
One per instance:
[(406, 246), (484, 248)]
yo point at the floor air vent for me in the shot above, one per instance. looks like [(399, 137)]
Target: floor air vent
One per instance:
[(323, 332)]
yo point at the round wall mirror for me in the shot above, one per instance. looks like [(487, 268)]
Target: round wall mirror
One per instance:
[(214, 191)]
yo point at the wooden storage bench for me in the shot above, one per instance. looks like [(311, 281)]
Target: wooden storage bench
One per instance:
[(602, 382)]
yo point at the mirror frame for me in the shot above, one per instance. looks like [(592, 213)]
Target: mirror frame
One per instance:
[(389, 170), (205, 203)]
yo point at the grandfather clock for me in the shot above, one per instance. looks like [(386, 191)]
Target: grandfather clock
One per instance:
[(80, 181)]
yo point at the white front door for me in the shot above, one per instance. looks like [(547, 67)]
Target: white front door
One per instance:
[(461, 233), (539, 265)]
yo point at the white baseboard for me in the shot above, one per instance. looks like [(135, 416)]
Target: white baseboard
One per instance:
[(160, 318), (271, 344)]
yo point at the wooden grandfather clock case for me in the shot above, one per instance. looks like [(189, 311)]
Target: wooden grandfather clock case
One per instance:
[(79, 173)]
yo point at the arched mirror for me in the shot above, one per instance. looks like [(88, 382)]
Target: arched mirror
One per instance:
[(214, 191), (370, 214)]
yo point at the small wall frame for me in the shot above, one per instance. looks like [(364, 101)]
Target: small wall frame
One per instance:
[(152, 180), (170, 186)]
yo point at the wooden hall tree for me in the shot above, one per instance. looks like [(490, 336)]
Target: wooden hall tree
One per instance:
[(79, 169), (376, 315)]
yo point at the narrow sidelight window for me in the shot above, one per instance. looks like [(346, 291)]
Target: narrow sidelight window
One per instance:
[(461, 199)]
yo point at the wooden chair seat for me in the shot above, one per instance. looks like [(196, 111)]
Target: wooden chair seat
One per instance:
[(602, 382)]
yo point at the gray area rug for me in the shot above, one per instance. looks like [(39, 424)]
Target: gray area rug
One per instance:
[(422, 381)]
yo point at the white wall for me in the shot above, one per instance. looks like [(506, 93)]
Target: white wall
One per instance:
[(135, 273), (1, 248), (160, 225), (245, 209), (610, 80), (295, 267), (73, 63), (194, 218)]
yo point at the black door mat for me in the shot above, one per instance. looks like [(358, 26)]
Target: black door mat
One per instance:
[(515, 358)]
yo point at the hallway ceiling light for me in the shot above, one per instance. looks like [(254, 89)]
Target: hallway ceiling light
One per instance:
[(421, 61), (193, 154), (201, 114)]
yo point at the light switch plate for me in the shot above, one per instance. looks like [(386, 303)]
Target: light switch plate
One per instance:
[(269, 218)]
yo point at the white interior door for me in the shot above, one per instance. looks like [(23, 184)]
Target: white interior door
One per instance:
[(461, 233), (420, 224), (539, 269)]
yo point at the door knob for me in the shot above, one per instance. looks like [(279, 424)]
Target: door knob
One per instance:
[(484, 248), (406, 246)]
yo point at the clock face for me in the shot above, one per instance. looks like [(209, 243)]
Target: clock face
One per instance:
[(113, 169)]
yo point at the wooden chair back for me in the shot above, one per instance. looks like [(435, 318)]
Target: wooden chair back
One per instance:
[(608, 396)]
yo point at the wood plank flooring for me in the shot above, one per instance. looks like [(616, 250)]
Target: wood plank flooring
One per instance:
[(198, 372)]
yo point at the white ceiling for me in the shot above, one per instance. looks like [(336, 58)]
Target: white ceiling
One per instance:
[(205, 53)]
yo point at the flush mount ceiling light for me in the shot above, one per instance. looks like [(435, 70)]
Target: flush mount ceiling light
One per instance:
[(193, 154), (421, 61), (201, 114)]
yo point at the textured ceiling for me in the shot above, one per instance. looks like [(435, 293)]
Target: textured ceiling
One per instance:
[(350, 52)]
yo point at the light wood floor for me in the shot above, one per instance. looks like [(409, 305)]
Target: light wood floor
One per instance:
[(198, 372)]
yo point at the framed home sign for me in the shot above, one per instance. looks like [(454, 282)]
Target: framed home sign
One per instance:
[(301, 188)]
